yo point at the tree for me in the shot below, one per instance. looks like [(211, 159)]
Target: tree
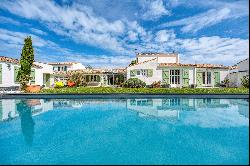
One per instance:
[(132, 62), (245, 81), (26, 61)]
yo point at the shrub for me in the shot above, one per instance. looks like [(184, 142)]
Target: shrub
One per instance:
[(156, 84), (164, 85), (71, 83), (245, 81), (226, 82), (78, 78), (59, 84), (134, 83)]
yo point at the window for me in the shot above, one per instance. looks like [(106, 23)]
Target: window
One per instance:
[(206, 78), (138, 72), (203, 77), (143, 72), (58, 68), (174, 76), (65, 68)]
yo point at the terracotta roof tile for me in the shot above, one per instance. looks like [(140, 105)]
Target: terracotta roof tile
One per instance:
[(193, 65), (91, 71), (14, 61), (62, 63)]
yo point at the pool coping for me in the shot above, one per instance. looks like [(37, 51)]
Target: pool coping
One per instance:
[(117, 96)]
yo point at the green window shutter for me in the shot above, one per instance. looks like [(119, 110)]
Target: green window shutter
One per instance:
[(132, 73), (185, 73), (16, 69), (185, 77), (32, 75), (98, 79), (216, 78), (199, 78), (150, 73), (165, 76), (1, 75), (185, 82)]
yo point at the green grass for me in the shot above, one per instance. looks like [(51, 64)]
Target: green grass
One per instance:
[(105, 90)]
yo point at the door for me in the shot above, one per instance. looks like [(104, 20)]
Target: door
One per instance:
[(46, 80)]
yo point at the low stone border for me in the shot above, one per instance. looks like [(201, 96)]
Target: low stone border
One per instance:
[(119, 96)]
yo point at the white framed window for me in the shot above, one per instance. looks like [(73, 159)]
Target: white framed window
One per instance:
[(174, 76), (138, 72), (206, 78), (209, 78), (143, 72)]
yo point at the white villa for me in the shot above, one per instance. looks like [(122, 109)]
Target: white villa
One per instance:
[(149, 67), (154, 67), (46, 74)]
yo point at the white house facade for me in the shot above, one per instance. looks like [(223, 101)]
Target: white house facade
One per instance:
[(9, 68), (167, 69), (43, 74), (240, 70)]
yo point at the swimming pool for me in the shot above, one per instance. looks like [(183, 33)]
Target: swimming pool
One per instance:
[(124, 131)]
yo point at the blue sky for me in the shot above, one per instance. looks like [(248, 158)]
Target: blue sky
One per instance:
[(105, 33)]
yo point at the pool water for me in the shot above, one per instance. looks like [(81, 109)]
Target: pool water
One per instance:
[(124, 131)]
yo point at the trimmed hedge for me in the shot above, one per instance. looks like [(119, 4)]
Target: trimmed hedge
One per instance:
[(89, 90)]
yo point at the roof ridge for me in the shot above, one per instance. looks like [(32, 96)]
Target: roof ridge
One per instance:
[(15, 61), (143, 62)]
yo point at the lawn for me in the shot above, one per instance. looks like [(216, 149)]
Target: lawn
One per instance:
[(101, 90)]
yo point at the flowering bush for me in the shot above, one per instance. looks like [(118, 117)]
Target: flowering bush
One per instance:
[(71, 83), (59, 84)]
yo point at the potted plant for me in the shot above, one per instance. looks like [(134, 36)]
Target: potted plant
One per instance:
[(26, 61)]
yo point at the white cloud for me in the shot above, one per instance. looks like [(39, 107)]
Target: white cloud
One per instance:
[(219, 12), (154, 10), (7, 20), (12, 42), (122, 37), (165, 36), (214, 49), (200, 21), (76, 22), (38, 31)]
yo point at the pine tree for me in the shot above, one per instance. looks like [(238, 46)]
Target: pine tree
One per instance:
[(26, 61)]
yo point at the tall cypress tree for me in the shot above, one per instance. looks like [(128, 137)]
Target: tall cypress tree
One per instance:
[(26, 61)]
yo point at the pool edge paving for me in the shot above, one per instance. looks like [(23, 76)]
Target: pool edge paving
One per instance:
[(118, 96)]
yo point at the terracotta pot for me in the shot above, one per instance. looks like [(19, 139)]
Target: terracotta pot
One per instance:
[(33, 88)]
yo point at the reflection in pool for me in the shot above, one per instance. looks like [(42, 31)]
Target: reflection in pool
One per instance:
[(126, 131)]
